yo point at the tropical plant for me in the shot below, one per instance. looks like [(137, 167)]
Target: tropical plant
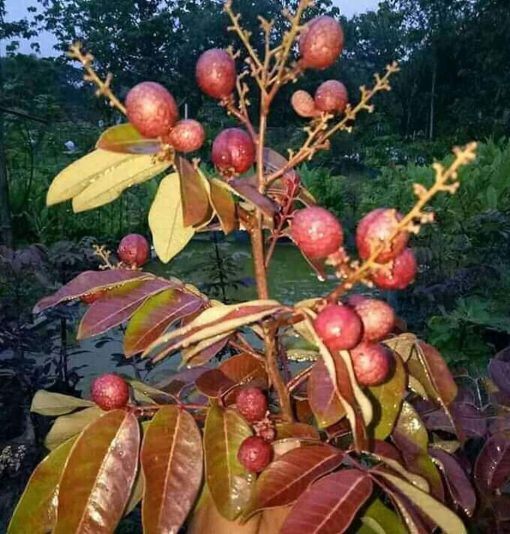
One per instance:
[(331, 444)]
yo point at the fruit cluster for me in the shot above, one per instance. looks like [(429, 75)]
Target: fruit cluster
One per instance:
[(255, 452)]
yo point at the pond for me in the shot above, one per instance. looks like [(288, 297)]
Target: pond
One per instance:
[(290, 279)]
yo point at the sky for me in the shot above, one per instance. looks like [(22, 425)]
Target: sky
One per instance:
[(17, 9)]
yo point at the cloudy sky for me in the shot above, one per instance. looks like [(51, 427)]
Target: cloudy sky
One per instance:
[(17, 9)]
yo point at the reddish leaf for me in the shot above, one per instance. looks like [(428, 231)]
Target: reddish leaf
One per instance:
[(458, 483), (244, 368), (99, 474), (90, 282), (492, 467), (172, 463), (323, 398), (471, 421), (499, 373), (126, 139), (250, 192), (155, 315), (204, 351), (224, 206), (107, 313), (287, 477), (214, 383), (296, 430), (175, 384), (330, 505), (195, 200)]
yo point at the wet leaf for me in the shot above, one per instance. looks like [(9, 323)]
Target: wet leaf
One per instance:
[(296, 430), (244, 368), (126, 139), (224, 206), (437, 512), (378, 519), (172, 463), (67, 426), (155, 315), (231, 486), (458, 483), (194, 196), (166, 220), (323, 398), (492, 467), (90, 282), (52, 404), (214, 383), (286, 478), (99, 474), (108, 185), (331, 504), (37, 507), (107, 313)]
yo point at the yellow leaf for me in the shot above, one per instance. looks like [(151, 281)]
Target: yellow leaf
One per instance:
[(107, 186), (166, 220), (80, 174)]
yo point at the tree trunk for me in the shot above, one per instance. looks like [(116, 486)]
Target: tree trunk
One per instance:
[(432, 100), (5, 205)]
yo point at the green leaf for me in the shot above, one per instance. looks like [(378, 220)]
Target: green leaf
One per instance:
[(436, 511), (108, 186), (387, 399), (68, 426), (231, 486), (126, 139), (378, 519), (172, 463), (52, 404), (36, 509), (99, 475), (170, 235)]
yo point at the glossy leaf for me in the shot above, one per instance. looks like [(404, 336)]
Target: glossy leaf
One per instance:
[(387, 400), (499, 373), (244, 368), (492, 467), (323, 398), (250, 192), (52, 404), (231, 486), (172, 464), (37, 507), (287, 477), (224, 206), (404, 345), (296, 430), (90, 282), (99, 475), (437, 512), (166, 220), (410, 425), (155, 315), (396, 465), (67, 426), (108, 186), (81, 173), (378, 519), (194, 196), (126, 139), (204, 351), (214, 383), (457, 481), (330, 505), (107, 313), (213, 322)]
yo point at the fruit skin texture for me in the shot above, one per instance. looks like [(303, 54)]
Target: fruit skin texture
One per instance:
[(151, 109), (331, 97), (377, 316), (303, 104), (216, 73), (321, 42), (134, 250), (233, 151), (399, 273), (378, 226), (188, 135), (339, 327), (317, 232), (372, 363), (255, 454), (110, 392), (251, 403)]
